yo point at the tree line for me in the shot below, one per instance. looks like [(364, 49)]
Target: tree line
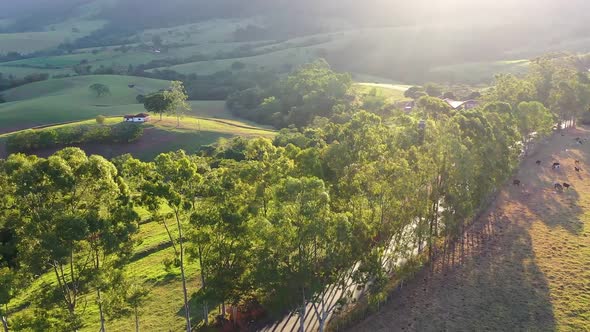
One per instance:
[(31, 140), (270, 222)]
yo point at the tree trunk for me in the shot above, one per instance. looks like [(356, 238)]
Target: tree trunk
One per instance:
[(184, 290), (302, 318), (136, 320), (98, 294), (160, 116), (203, 285), (206, 313), (323, 315), (5, 323), (101, 313)]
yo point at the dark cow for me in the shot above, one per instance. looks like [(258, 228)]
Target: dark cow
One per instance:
[(558, 187), (566, 185), (577, 169), (556, 165), (516, 182), (538, 162)]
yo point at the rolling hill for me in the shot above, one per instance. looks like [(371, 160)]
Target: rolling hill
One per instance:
[(69, 99)]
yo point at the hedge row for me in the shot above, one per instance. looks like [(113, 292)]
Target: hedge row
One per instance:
[(30, 140)]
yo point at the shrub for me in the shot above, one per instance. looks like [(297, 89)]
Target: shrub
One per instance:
[(140, 99), (100, 119), (126, 132)]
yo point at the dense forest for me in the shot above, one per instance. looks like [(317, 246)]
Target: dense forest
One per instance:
[(272, 223)]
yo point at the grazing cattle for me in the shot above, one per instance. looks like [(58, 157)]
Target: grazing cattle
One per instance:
[(538, 162), (516, 182), (577, 169), (566, 185), (556, 165), (558, 187)]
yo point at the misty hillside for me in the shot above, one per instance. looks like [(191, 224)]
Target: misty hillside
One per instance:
[(409, 41)]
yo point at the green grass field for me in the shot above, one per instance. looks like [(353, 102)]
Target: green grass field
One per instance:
[(279, 60), (27, 42), (391, 92), (69, 99), (479, 72)]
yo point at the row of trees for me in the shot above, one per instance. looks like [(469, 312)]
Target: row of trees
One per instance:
[(31, 140), (273, 222)]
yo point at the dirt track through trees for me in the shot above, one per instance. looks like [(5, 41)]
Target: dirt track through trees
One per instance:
[(523, 265)]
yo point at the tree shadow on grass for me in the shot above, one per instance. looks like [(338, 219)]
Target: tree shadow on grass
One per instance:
[(499, 288), (196, 305)]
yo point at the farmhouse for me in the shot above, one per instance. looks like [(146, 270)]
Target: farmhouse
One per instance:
[(141, 117), (461, 105)]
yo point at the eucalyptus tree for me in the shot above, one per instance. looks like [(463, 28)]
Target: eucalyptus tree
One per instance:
[(73, 213), (174, 183), (221, 234), (175, 100), (533, 118), (306, 248)]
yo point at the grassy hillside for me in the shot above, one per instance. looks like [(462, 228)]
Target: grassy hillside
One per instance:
[(526, 259), (69, 99), (165, 135), (51, 37), (161, 310)]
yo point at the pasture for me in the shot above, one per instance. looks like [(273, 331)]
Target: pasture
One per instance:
[(165, 135), (530, 271), (69, 99), (28, 42), (391, 92), (278, 60)]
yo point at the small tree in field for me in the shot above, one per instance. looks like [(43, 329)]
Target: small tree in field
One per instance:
[(100, 89), (100, 119), (176, 97), (156, 103)]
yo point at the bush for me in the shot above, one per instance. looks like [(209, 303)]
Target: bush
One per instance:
[(126, 132), (100, 119)]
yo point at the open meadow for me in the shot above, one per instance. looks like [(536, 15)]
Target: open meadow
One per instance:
[(69, 99)]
